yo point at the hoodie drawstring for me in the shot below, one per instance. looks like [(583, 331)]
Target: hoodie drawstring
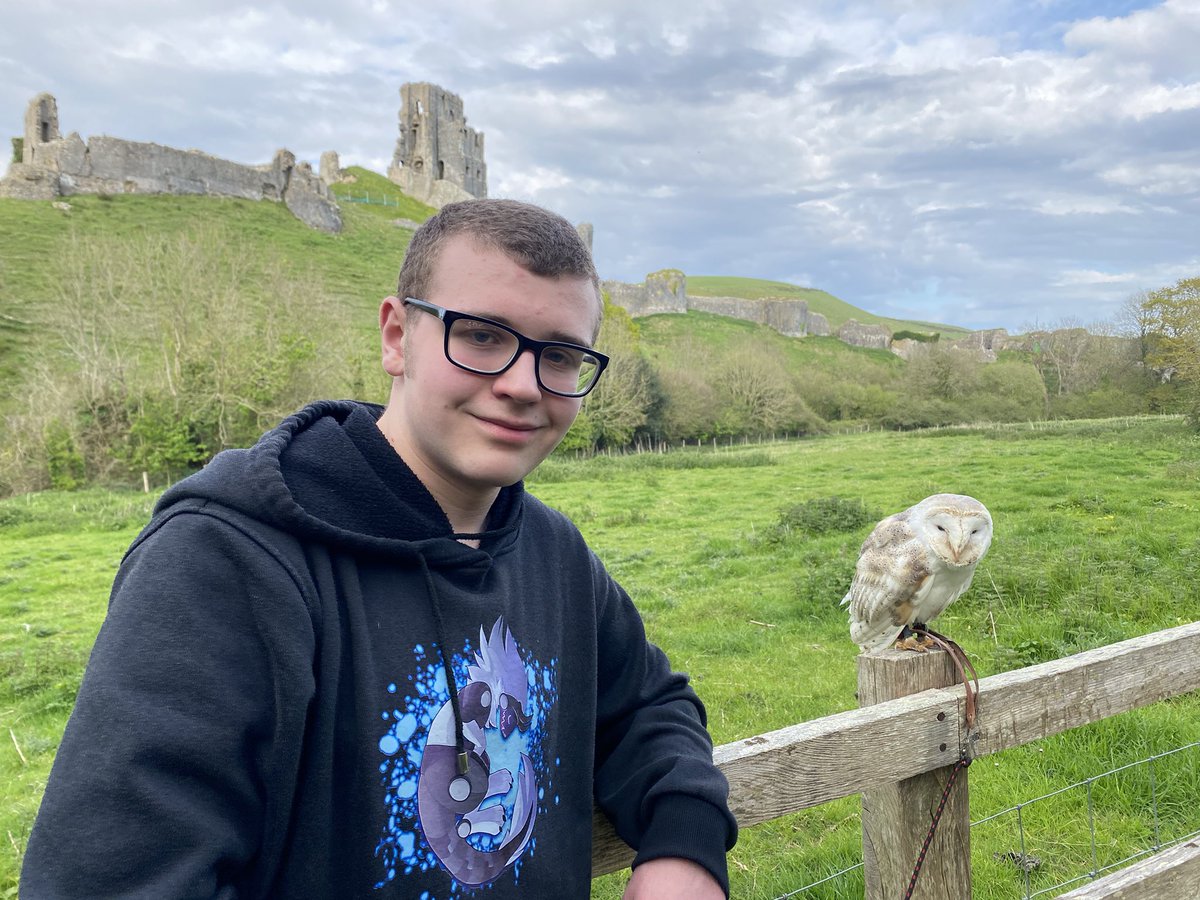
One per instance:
[(435, 604)]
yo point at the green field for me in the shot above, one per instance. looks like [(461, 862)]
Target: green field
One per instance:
[(1097, 540)]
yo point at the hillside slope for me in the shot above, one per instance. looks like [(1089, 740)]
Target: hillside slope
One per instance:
[(356, 268), (837, 311)]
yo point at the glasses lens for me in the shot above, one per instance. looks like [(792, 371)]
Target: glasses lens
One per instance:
[(567, 370), (480, 346)]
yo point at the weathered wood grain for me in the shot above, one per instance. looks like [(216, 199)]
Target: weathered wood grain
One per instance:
[(1026, 704), (814, 762), (896, 817), (804, 765), (1173, 874)]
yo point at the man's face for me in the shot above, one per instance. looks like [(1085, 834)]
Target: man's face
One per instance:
[(467, 435)]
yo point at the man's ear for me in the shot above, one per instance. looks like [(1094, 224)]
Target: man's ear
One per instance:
[(393, 321)]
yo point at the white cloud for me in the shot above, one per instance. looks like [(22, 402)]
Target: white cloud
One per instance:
[(1075, 205), (1149, 177), (1090, 277)]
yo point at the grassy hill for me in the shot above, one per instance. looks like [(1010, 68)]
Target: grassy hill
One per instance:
[(357, 268), (837, 311), (713, 334)]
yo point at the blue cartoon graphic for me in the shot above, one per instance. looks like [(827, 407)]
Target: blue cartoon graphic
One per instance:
[(477, 825)]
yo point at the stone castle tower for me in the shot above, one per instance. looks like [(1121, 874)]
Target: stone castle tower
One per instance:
[(439, 158), (41, 126)]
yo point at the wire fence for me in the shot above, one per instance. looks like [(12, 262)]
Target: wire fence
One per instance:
[(1160, 835), (377, 200)]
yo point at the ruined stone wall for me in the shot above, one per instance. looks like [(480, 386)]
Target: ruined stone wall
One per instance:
[(785, 315), (438, 157), (41, 125), (661, 292), (818, 325), (330, 168), (54, 166), (993, 340), (114, 166), (666, 292), (630, 297), (858, 335)]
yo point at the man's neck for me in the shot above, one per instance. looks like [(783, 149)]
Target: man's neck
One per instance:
[(466, 509)]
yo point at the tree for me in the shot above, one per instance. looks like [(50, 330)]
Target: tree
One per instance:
[(1174, 320), (753, 387), (943, 373), (1010, 391), (690, 408), (1136, 323), (626, 394), (1062, 354)]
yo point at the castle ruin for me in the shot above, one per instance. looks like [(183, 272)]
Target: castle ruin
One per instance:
[(666, 292), (53, 166), (439, 158)]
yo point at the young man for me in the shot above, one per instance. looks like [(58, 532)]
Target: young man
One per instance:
[(357, 660)]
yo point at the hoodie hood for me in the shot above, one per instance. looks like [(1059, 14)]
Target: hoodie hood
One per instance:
[(370, 503)]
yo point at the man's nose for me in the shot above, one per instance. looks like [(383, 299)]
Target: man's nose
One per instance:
[(519, 381)]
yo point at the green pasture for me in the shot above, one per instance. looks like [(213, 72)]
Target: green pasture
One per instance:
[(1097, 540)]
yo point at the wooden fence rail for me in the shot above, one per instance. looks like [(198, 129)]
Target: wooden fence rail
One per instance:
[(805, 765), (1173, 874)]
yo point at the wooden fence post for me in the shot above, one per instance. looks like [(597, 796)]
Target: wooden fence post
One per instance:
[(896, 817)]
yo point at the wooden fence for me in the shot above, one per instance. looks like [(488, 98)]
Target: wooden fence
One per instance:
[(907, 744)]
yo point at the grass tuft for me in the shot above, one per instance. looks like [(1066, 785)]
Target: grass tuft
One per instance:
[(822, 515)]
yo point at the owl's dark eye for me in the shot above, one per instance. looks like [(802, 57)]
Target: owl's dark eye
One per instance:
[(941, 529), (974, 531)]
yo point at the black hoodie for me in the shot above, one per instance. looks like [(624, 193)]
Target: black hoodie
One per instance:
[(266, 710)]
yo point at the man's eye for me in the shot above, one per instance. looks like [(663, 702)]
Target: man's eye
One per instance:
[(560, 357), (482, 336)]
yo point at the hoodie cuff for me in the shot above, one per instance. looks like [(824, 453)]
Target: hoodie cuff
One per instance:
[(688, 828)]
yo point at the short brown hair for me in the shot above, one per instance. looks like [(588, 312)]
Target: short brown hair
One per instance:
[(539, 241)]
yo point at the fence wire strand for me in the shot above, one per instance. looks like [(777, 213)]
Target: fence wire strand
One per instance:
[(1097, 870)]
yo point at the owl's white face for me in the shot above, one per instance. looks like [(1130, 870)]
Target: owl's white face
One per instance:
[(957, 529)]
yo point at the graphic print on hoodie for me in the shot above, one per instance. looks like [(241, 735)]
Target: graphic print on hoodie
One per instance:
[(479, 824)]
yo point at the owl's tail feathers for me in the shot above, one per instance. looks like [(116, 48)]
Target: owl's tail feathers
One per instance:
[(871, 637)]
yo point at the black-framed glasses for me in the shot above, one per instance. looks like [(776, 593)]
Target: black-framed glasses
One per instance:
[(490, 348)]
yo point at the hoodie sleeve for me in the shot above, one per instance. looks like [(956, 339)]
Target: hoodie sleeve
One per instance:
[(655, 777), (162, 785)]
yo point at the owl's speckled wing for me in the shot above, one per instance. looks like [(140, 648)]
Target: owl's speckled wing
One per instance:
[(891, 577)]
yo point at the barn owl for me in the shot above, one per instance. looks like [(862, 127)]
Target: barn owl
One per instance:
[(913, 565)]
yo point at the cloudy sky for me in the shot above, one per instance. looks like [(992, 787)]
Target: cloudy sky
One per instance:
[(988, 164)]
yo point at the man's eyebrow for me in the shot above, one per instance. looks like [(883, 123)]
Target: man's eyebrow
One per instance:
[(559, 336)]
